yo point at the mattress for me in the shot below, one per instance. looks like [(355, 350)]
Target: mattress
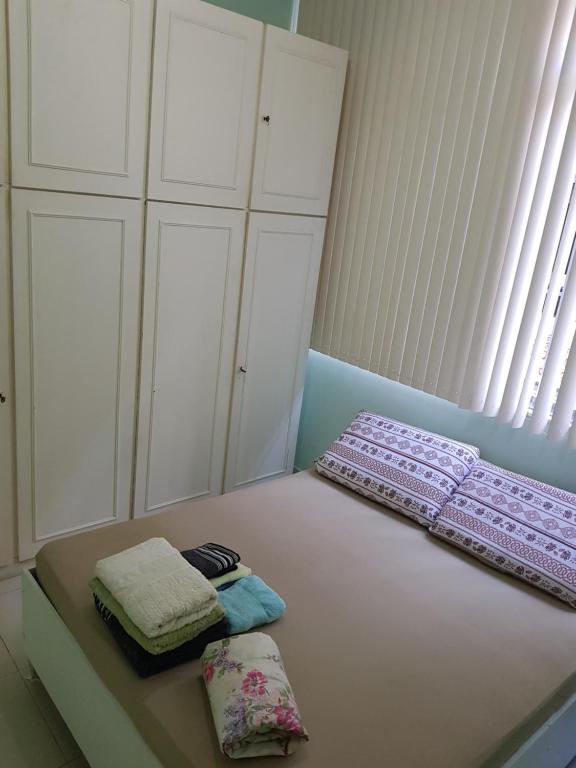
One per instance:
[(401, 650)]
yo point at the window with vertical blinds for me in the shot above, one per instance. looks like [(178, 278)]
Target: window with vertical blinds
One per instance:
[(449, 256)]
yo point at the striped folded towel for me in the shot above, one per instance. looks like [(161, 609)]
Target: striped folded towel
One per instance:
[(156, 587), (212, 559)]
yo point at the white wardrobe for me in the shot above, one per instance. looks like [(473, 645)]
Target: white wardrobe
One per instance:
[(162, 316)]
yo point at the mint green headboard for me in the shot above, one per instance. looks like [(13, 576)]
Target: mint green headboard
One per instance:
[(335, 391)]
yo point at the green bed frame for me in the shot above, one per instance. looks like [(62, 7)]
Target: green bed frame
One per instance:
[(109, 739), (101, 727)]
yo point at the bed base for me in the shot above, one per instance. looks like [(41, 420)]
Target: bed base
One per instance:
[(101, 727), (109, 739)]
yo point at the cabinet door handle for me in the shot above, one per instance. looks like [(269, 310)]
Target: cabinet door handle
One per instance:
[(242, 369), (2, 398), (266, 119)]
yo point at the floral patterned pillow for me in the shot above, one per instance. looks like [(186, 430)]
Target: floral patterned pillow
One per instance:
[(405, 468), (517, 525)]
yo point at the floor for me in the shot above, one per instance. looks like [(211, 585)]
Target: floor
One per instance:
[(32, 733)]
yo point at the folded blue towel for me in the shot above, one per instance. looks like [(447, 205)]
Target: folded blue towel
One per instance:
[(248, 603)]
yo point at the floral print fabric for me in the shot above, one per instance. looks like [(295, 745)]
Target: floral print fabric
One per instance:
[(252, 703), (517, 525), (404, 468)]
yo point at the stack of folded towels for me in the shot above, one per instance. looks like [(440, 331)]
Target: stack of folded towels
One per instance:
[(163, 606)]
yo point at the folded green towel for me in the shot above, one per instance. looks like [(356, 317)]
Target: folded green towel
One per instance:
[(249, 603), (166, 642), (240, 573)]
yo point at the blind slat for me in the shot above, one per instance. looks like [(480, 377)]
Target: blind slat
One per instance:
[(373, 262), (524, 346), (437, 89), (404, 60), (376, 89), (486, 205), (523, 102), (484, 371), (395, 180), (343, 36), (366, 218), (557, 356), (566, 403), (465, 172), (340, 265), (410, 169), (546, 317), (465, 64), (535, 226), (390, 355)]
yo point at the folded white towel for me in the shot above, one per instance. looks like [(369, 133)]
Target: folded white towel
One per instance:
[(157, 588)]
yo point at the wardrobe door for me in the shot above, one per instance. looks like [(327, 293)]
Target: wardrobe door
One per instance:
[(79, 94), (299, 114), (204, 100), (76, 273), (191, 297), (280, 277), (7, 489), (4, 143)]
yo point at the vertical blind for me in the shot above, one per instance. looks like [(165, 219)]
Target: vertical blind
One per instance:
[(448, 260)]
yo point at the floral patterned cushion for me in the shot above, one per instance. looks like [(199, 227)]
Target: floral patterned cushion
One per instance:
[(405, 468), (518, 525)]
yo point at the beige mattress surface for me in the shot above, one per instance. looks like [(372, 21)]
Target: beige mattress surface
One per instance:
[(402, 652)]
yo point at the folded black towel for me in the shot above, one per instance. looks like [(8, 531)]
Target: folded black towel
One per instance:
[(212, 559), (146, 664)]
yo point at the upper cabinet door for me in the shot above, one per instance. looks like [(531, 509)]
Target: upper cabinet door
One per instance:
[(300, 102), (191, 297), (204, 101), (76, 273), (79, 94), (279, 289)]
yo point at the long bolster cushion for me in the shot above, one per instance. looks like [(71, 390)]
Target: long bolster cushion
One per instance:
[(517, 525), (254, 710), (402, 467)]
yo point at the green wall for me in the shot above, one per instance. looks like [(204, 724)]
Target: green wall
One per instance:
[(335, 391), (277, 12)]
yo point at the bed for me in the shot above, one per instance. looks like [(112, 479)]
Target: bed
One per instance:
[(402, 651)]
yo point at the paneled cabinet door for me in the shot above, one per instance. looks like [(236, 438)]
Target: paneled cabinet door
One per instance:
[(299, 115), (279, 288), (204, 101), (191, 297), (4, 143), (7, 489), (80, 84), (76, 273)]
